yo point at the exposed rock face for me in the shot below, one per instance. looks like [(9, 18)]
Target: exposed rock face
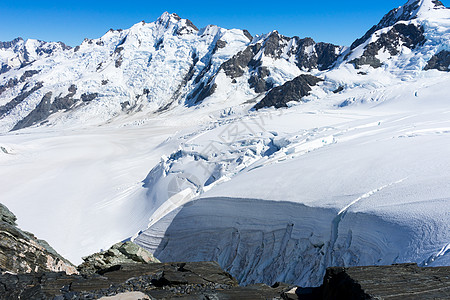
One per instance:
[(304, 53), (409, 36), (406, 281), (22, 252), (120, 253), (440, 61), (45, 108), (206, 280), (199, 280), (403, 13), (400, 30), (41, 112), (292, 90), (235, 66), (24, 93)]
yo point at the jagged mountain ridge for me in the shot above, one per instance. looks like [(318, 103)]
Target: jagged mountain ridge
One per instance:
[(125, 71), (154, 67), (410, 32), (19, 53)]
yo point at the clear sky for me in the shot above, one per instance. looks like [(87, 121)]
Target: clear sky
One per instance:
[(338, 22)]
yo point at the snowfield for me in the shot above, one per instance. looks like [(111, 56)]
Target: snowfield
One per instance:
[(356, 173)]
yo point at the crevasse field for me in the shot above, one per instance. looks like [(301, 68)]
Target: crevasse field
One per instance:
[(355, 177)]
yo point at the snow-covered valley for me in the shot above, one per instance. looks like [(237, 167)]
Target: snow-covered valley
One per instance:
[(357, 172)]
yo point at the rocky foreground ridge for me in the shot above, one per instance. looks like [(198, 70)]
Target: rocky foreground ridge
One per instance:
[(31, 269), (22, 252)]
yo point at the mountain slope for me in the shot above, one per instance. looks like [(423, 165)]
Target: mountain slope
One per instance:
[(150, 68), (406, 38), (145, 68)]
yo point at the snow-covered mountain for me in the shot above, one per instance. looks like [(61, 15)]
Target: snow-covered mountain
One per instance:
[(406, 38), (157, 66), (19, 53), (151, 68), (275, 156)]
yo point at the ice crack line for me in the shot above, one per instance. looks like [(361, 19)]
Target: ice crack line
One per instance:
[(341, 214), (368, 194), (444, 251)]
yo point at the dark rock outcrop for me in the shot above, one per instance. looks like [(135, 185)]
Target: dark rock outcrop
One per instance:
[(197, 280), (19, 98), (409, 36), (22, 252), (234, 67), (440, 61), (405, 281), (64, 102), (46, 107), (12, 82), (41, 112), (86, 97), (292, 90), (307, 54), (120, 253)]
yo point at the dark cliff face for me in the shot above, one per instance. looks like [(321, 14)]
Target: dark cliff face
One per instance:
[(410, 36), (403, 13), (401, 34), (404, 281), (293, 90), (22, 252), (439, 61), (306, 53)]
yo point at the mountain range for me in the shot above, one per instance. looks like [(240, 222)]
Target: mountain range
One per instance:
[(155, 67)]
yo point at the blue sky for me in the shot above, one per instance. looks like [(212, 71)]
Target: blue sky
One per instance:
[(338, 22)]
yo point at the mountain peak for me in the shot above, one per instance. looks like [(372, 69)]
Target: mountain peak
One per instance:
[(184, 25), (168, 17), (413, 9)]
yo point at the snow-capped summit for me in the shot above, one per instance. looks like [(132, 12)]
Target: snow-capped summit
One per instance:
[(183, 26), (19, 53), (411, 10), (406, 38), (149, 67)]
